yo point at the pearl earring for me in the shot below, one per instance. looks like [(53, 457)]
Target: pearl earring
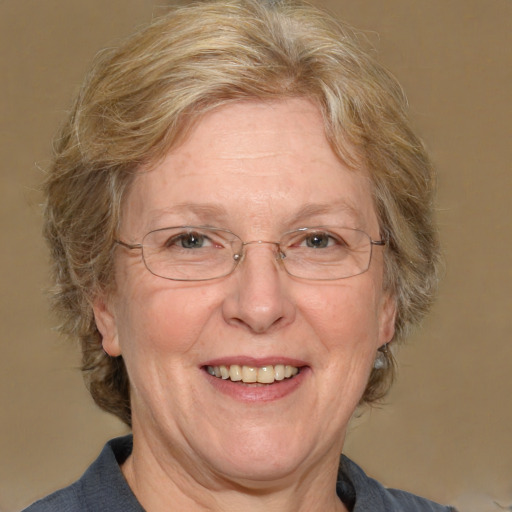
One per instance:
[(381, 359)]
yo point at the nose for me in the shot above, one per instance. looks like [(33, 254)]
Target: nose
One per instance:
[(259, 299)]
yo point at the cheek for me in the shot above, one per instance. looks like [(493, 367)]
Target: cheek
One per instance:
[(345, 317), (164, 322)]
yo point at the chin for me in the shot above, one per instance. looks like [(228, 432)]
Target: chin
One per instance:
[(260, 457), (266, 468)]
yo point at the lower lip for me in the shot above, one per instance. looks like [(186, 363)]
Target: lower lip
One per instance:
[(258, 392)]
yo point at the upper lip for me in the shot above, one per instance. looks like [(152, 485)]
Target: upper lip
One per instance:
[(255, 361)]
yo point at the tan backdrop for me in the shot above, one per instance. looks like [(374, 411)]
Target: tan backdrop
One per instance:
[(445, 431)]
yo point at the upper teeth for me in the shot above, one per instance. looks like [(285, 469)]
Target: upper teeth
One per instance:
[(263, 374)]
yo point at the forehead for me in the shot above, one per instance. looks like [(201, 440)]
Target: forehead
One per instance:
[(254, 161)]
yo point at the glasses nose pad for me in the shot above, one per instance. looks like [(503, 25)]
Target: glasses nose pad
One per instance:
[(239, 253), (280, 257), (237, 247)]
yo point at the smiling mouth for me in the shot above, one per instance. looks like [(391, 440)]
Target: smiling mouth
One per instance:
[(267, 374)]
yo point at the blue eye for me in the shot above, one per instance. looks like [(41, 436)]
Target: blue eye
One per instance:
[(192, 240), (318, 241), (321, 240)]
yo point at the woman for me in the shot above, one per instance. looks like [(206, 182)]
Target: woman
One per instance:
[(240, 220)]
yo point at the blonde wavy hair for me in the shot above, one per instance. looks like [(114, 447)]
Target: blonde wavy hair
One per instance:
[(141, 98)]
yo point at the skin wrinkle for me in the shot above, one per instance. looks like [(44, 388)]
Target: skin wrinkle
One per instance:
[(258, 311), (224, 485), (216, 216), (208, 501)]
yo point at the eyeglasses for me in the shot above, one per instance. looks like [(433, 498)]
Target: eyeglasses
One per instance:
[(197, 253)]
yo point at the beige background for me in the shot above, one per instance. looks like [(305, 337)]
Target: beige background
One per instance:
[(445, 431)]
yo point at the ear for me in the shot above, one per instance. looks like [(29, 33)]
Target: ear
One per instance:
[(106, 324), (387, 318)]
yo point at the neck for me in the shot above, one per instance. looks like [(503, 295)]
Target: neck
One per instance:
[(161, 480)]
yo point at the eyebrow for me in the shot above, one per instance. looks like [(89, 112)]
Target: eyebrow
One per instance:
[(210, 213), (203, 211), (314, 209)]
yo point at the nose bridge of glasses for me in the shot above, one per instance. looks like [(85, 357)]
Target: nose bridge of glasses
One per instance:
[(260, 242), (239, 256)]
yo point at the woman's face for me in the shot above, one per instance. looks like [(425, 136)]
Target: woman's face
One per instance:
[(258, 170)]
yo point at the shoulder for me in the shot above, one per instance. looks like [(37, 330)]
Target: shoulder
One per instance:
[(65, 500), (369, 495), (102, 487)]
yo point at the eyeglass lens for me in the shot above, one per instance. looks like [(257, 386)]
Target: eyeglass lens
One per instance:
[(194, 253)]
